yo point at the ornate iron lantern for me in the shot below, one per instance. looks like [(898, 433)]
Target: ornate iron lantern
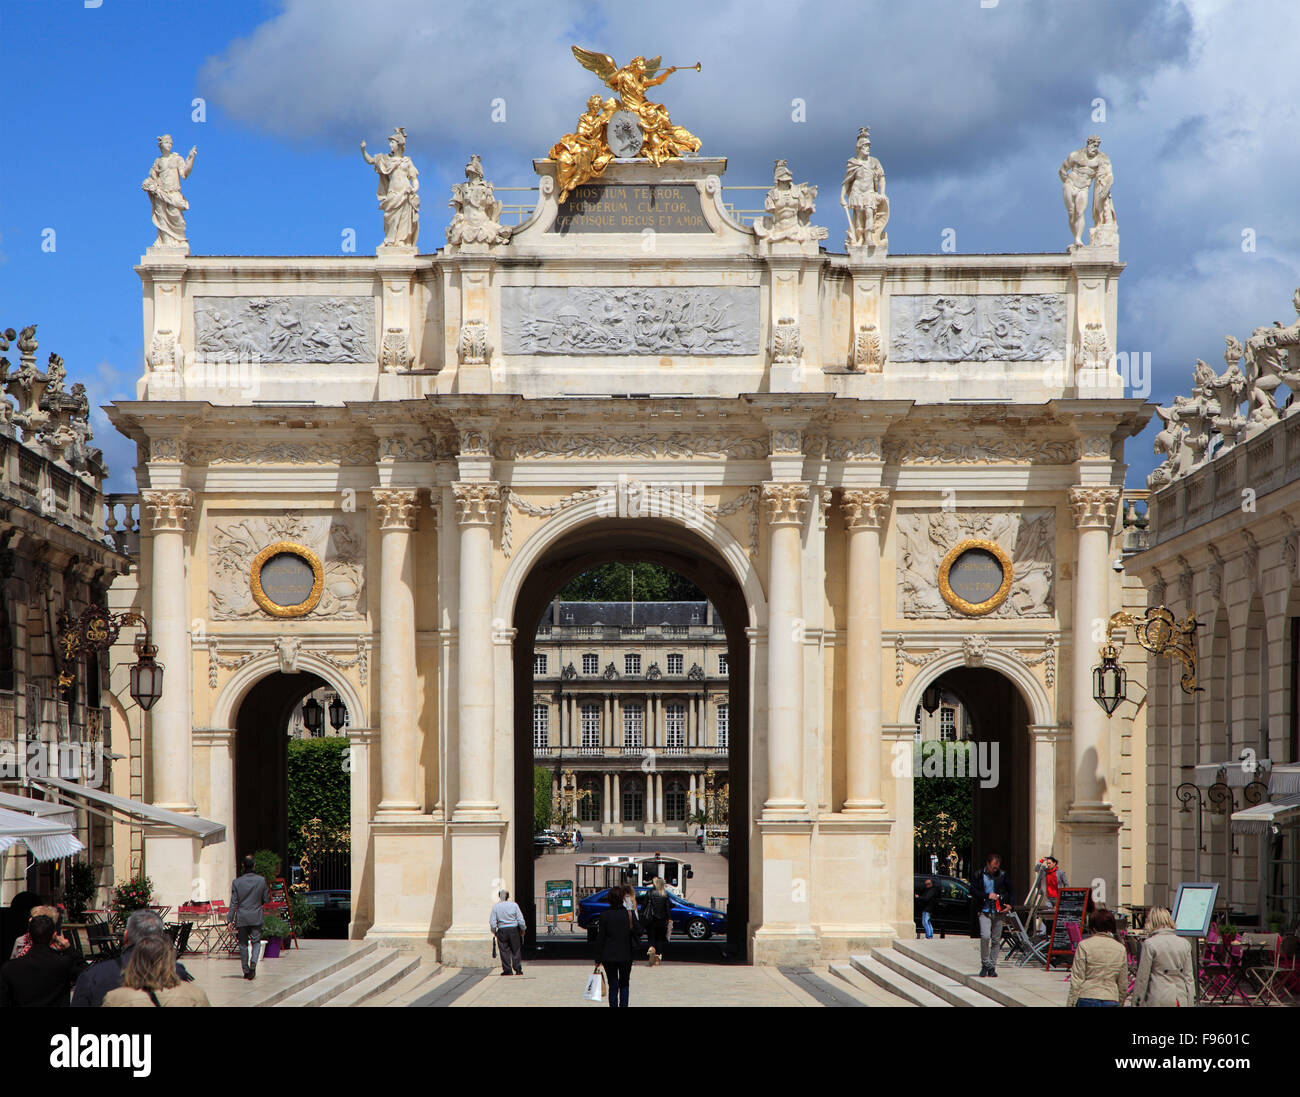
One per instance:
[(338, 712), (313, 716)]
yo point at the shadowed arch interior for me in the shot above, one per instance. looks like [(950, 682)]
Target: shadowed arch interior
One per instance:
[(635, 541), (1001, 822), (262, 762)]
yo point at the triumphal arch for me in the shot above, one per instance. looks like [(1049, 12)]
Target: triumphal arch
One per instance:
[(883, 470)]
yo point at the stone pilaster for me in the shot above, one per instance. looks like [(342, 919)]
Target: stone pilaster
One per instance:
[(1091, 824), (399, 748), (785, 505), (172, 859), (865, 513)]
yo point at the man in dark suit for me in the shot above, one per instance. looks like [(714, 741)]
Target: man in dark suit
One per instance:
[(617, 930), (43, 977), (98, 979), (248, 894)]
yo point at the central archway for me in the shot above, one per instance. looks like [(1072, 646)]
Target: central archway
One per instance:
[(686, 552)]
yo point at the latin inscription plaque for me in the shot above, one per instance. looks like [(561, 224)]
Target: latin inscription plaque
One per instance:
[(975, 576), (632, 207), (287, 579)]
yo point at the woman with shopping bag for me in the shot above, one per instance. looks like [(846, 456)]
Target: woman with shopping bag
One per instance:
[(617, 931)]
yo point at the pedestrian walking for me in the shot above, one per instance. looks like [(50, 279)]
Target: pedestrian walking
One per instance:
[(507, 925), (577, 839), (248, 894), (617, 931), (150, 979), (928, 896), (657, 920), (992, 897), (1099, 973), (1164, 974)]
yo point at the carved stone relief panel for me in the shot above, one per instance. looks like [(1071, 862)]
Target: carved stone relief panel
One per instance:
[(624, 320), (337, 539), (284, 329), (986, 327), (925, 536)]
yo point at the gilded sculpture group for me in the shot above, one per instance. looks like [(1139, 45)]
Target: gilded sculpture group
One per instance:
[(640, 129)]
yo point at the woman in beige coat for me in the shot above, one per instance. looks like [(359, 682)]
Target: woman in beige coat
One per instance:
[(1164, 974), (150, 979), (1099, 974)]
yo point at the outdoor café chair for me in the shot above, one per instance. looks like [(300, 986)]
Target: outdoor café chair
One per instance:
[(101, 941), (1272, 981)]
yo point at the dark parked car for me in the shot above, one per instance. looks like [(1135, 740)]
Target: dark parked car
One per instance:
[(333, 912), (696, 922), (951, 909)]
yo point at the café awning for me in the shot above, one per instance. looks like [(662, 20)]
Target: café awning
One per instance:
[(46, 839), (42, 809), (1261, 818), (1284, 780), (106, 805), (1233, 774)]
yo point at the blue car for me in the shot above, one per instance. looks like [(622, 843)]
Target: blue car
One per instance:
[(697, 922)]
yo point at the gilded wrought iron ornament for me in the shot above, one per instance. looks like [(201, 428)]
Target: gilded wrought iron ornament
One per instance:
[(585, 153), (271, 605), (963, 605), (93, 631), (1161, 633)]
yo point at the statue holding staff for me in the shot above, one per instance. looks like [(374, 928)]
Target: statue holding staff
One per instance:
[(863, 197)]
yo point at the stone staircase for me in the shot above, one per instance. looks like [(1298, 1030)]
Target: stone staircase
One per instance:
[(917, 974), (363, 975)]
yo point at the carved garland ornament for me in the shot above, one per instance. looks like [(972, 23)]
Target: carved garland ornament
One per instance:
[(287, 548)]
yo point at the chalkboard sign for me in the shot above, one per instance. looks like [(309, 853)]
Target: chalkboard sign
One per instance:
[(1071, 909)]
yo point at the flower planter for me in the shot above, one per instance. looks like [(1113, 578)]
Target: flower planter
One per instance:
[(272, 948)]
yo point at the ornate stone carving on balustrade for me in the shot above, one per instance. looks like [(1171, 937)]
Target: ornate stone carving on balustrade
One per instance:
[(50, 417), (1212, 420)]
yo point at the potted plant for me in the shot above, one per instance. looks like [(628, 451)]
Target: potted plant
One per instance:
[(1228, 932), (78, 890), (274, 930), (1275, 921), (135, 894)]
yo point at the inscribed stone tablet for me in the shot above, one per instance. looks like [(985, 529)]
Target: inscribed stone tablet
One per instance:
[(976, 576), (632, 207), (287, 579)]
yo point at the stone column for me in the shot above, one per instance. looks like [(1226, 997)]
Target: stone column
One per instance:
[(171, 858), (785, 504), (690, 796), (660, 816), (865, 514), (606, 807), (1092, 825), (692, 729), (399, 747), (477, 503), (616, 729), (617, 806)]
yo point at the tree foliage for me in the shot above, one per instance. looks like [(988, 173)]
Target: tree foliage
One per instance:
[(613, 583), (943, 808), (541, 798), (320, 786)]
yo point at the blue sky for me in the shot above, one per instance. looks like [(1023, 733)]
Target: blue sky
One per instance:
[(971, 109)]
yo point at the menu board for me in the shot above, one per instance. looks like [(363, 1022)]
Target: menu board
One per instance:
[(1071, 909)]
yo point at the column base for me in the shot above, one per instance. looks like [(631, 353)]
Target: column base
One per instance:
[(797, 945), (868, 807), (467, 949), (398, 809), (476, 812), (171, 861), (1091, 854), (476, 877), (409, 850)]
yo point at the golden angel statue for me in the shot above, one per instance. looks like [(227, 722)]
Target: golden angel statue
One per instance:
[(644, 128)]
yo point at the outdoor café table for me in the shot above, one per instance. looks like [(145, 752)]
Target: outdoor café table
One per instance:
[(1246, 951)]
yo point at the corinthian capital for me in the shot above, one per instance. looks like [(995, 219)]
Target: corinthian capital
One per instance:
[(397, 507), (477, 501), (786, 503), (1094, 506), (866, 508), (169, 510)]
